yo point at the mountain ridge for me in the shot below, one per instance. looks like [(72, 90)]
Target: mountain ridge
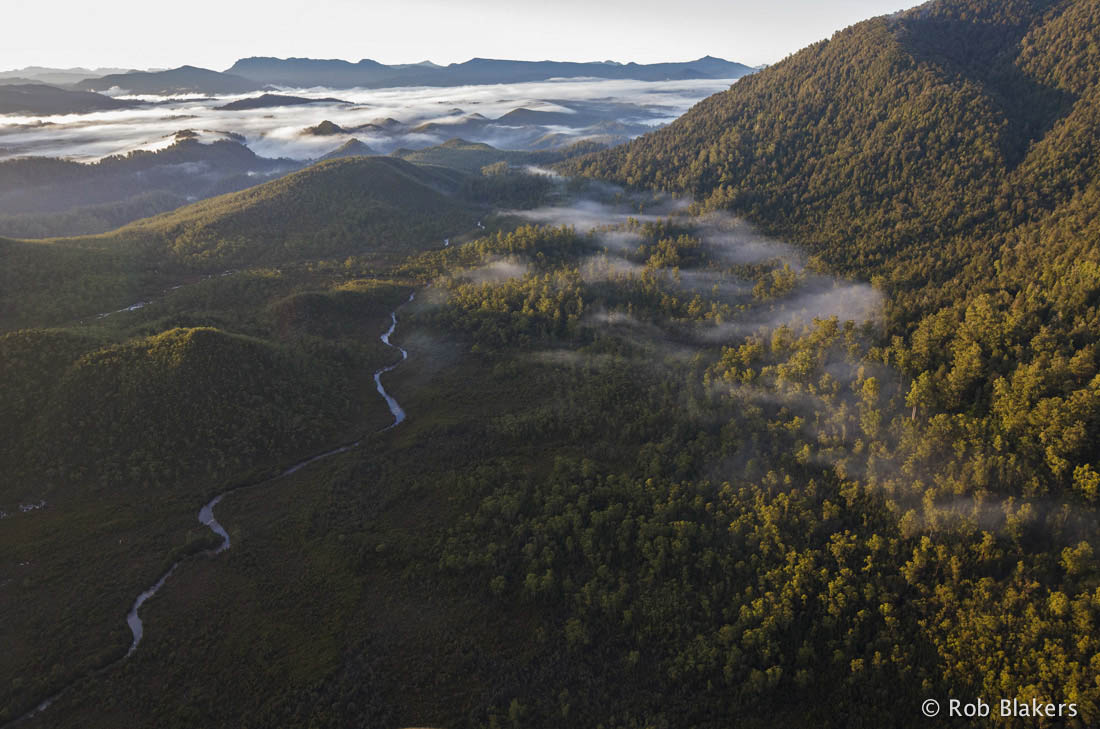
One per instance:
[(313, 72), (942, 134), (44, 100), (181, 80), (260, 72)]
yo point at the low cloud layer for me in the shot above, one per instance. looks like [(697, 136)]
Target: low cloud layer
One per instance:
[(576, 108), (589, 215), (495, 272), (727, 242)]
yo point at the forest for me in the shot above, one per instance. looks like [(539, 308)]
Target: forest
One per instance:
[(783, 415)]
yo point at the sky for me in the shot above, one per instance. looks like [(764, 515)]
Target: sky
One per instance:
[(214, 33)]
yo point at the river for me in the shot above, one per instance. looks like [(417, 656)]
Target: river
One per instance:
[(207, 518)]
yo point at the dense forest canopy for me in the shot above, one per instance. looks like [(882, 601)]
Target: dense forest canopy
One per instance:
[(948, 154)]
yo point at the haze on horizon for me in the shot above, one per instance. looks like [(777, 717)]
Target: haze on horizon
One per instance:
[(213, 34)]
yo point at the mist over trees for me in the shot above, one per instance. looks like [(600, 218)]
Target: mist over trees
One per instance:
[(783, 415)]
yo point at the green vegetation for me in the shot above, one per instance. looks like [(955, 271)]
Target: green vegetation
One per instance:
[(348, 205), (645, 480), (122, 432), (948, 155), (324, 129), (43, 197), (360, 206), (124, 424), (473, 156), (499, 178), (89, 219)]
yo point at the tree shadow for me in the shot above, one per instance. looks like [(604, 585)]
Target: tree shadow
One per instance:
[(984, 52)]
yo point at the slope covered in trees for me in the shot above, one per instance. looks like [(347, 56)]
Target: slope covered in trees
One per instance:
[(909, 145), (472, 156), (343, 205), (620, 462), (116, 429), (40, 99), (356, 206), (947, 154), (44, 197)]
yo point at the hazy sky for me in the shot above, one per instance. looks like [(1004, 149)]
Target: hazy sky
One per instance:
[(214, 33)]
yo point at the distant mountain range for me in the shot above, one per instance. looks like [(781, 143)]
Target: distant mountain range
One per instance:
[(257, 74), (182, 80), (368, 73), (41, 99), (43, 75), (45, 197)]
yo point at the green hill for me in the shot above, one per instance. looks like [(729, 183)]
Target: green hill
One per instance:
[(122, 437), (340, 206), (463, 155), (373, 206), (908, 145), (949, 155), (50, 283), (40, 99), (324, 129), (184, 404), (350, 148), (42, 197), (473, 156)]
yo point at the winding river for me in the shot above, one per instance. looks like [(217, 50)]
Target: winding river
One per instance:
[(206, 513), (207, 518)]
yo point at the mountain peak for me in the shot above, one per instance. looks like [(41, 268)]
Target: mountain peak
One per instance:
[(325, 129)]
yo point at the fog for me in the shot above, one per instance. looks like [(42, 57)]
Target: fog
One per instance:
[(735, 241), (495, 272), (611, 208), (607, 110), (605, 267), (821, 298), (622, 333), (727, 244)]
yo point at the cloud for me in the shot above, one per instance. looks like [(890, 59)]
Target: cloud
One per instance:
[(542, 172), (619, 240), (822, 299), (605, 268), (276, 132), (736, 242), (495, 272), (584, 215)]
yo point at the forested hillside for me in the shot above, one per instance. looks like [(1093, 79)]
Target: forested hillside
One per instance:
[(948, 154), (919, 146), (345, 205), (371, 206), (173, 376), (45, 197)]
